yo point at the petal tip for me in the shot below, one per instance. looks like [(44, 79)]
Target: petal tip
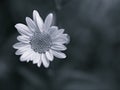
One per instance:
[(34, 11), (26, 18), (39, 65), (46, 66), (64, 57), (14, 46), (16, 26), (51, 14)]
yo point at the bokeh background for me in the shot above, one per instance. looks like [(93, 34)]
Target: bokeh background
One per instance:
[(93, 55)]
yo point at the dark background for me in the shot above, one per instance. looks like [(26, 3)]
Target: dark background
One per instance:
[(93, 55)]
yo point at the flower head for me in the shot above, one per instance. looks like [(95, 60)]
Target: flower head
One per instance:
[(39, 41)]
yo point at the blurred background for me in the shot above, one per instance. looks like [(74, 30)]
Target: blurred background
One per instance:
[(93, 55)]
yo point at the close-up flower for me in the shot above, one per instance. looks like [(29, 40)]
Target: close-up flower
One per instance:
[(39, 41)]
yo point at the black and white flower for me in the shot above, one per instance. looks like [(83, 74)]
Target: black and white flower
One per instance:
[(39, 41)]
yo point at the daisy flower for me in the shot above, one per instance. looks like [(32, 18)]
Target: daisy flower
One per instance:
[(39, 41)]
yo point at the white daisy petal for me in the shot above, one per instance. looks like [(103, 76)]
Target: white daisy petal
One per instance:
[(28, 58), (63, 39), (60, 32), (36, 58), (22, 50), (31, 24), (58, 54), (44, 60), (30, 54), (58, 47), (66, 37), (18, 45), (39, 61), (52, 29), (23, 29), (18, 52), (49, 55), (33, 54), (25, 55), (59, 40), (57, 33), (24, 39), (38, 20), (48, 22)]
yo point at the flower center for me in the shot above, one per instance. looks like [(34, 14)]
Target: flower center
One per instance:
[(40, 42)]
